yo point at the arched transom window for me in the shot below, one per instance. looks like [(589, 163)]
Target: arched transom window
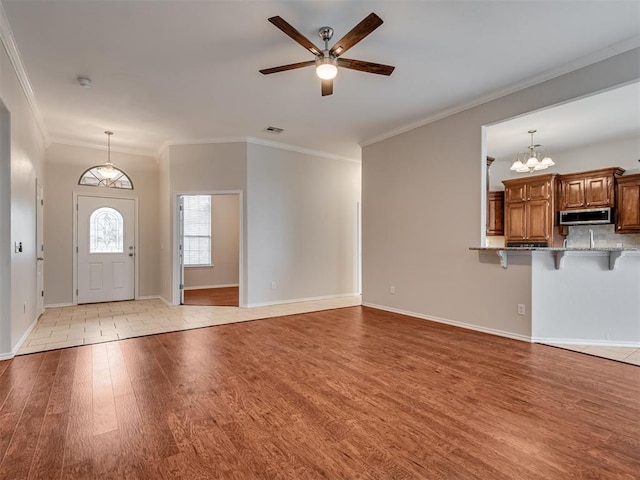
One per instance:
[(106, 231), (99, 176)]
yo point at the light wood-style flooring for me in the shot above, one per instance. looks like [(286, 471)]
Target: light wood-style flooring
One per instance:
[(353, 393), (218, 297)]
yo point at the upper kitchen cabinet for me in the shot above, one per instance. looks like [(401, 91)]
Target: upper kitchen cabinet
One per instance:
[(495, 213), (628, 199), (591, 189), (529, 211)]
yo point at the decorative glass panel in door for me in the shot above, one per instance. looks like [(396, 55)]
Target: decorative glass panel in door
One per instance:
[(106, 232)]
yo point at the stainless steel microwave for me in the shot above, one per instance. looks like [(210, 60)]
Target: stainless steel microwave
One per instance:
[(589, 216)]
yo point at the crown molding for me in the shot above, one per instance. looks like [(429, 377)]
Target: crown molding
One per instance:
[(202, 141), (254, 141), (96, 146), (6, 36), (294, 148), (610, 51)]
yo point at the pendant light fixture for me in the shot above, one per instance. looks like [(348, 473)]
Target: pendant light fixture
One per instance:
[(532, 161), (108, 170), (107, 174)]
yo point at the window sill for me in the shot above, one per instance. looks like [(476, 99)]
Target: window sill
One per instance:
[(199, 266)]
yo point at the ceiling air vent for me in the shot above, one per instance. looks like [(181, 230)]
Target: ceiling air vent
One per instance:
[(274, 130)]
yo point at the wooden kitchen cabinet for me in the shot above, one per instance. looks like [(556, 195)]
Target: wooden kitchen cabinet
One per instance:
[(591, 189), (529, 210), (628, 204), (495, 213)]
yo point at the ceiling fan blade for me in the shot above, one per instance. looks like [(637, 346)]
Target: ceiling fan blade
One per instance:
[(357, 33), (327, 87), (284, 68), (295, 34), (368, 67)]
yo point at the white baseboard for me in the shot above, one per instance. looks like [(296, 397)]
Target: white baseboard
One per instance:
[(57, 305), (10, 355), (583, 341), (166, 302), (204, 287), (299, 300), (468, 326)]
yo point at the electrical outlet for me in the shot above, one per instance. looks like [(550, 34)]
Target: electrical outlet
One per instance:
[(273, 285), (392, 289), (521, 309)]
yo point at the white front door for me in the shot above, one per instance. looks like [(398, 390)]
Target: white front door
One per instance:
[(106, 249)]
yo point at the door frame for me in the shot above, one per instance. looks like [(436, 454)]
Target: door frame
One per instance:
[(74, 240), (175, 257), (39, 247)]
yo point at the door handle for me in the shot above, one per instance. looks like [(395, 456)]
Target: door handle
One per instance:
[(131, 254), (40, 258)]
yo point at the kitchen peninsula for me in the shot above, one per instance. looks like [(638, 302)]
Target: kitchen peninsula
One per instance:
[(559, 253), (585, 275)]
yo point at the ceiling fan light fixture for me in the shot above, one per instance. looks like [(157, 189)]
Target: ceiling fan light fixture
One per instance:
[(326, 68)]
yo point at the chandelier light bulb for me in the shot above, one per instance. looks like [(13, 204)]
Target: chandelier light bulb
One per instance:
[(108, 171), (532, 162)]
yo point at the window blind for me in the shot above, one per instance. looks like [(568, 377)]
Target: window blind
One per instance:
[(197, 229)]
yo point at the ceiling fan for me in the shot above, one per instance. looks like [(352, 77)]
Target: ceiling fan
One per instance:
[(328, 60)]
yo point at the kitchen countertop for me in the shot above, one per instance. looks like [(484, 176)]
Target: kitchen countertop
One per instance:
[(615, 253), (560, 249)]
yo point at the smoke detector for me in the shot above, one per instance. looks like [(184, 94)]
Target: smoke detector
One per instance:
[(84, 82)]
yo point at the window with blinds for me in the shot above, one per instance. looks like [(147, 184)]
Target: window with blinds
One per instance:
[(197, 230)]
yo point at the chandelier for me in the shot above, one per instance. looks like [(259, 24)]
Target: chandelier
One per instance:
[(532, 160)]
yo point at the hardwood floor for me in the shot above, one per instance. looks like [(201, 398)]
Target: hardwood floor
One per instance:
[(349, 393), (219, 297)]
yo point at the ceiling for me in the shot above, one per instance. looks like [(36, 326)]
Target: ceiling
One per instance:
[(185, 71), (586, 121)]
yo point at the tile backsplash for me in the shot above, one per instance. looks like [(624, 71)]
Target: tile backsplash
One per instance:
[(604, 236)]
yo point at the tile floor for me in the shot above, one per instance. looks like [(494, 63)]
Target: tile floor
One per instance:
[(63, 327), (622, 354), (104, 322)]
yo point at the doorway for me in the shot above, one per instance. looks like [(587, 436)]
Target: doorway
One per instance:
[(105, 249), (209, 246)]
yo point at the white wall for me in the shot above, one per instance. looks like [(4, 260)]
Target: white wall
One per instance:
[(299, 216), (165, 225), (63, 167), (302, 225), (422, 210), (5, 232), (21, 157), (225, 237), (198, 169), (619, 152), (585, 302)]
